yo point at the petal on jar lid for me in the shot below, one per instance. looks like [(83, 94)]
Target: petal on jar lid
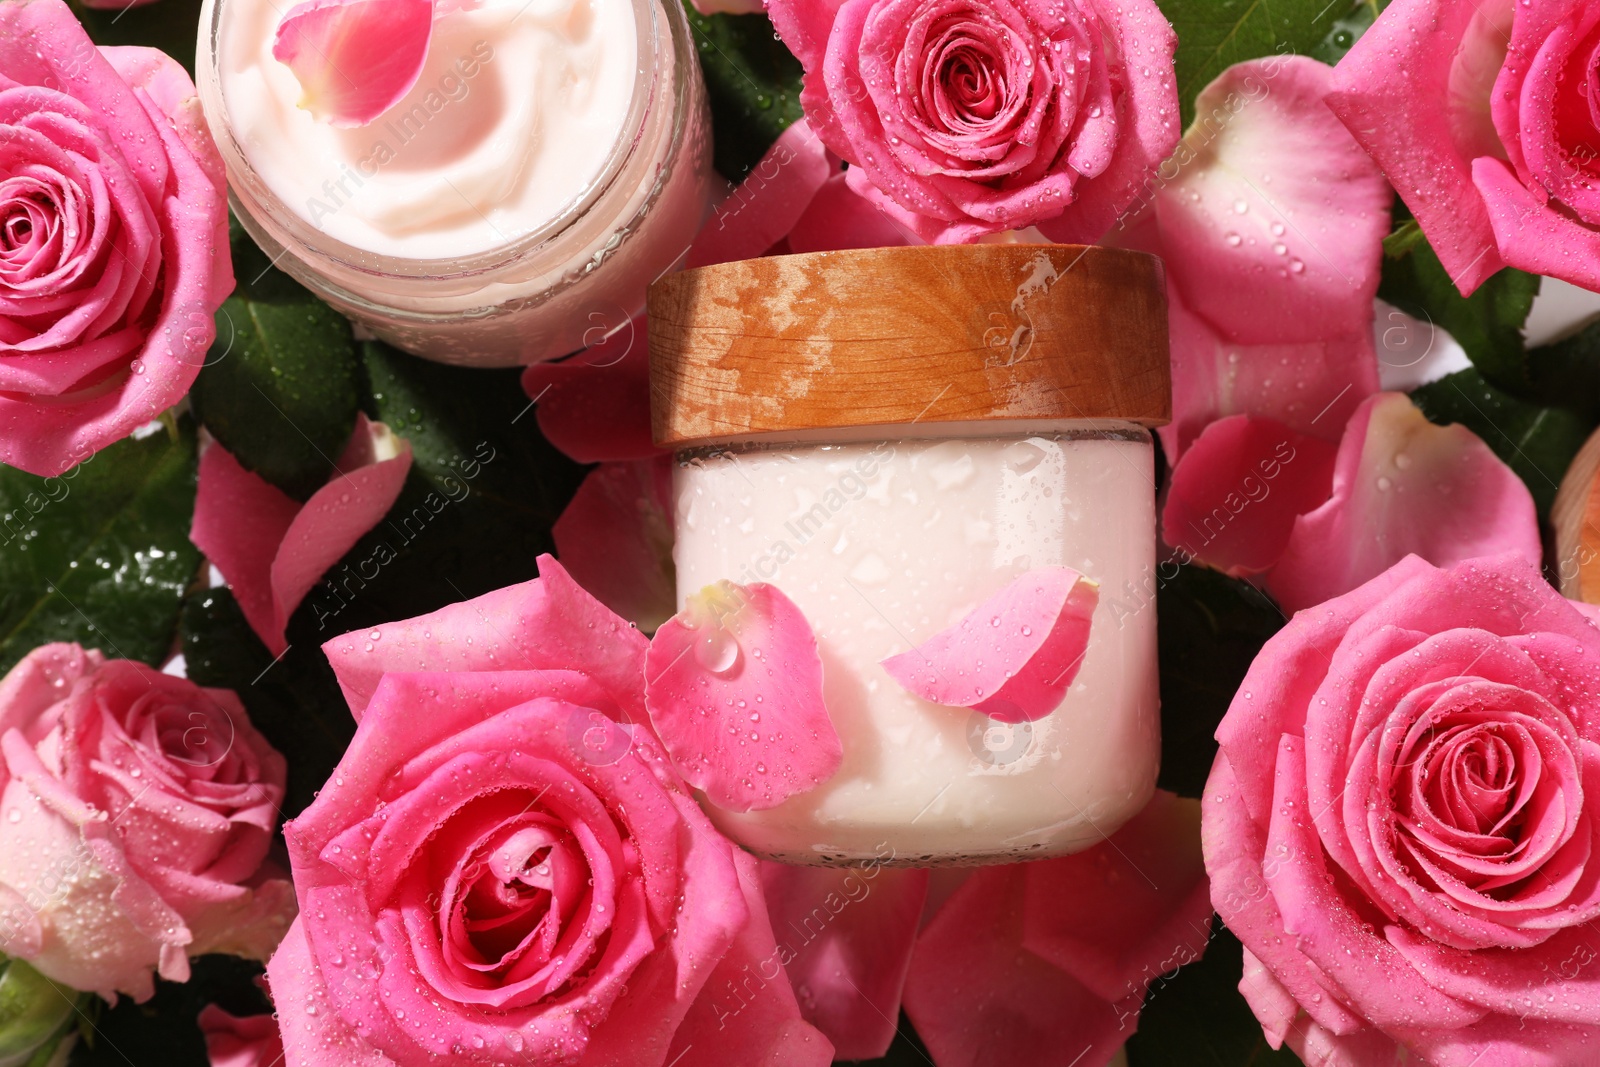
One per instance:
[(354, 59), (1011, 657), (733, 684)]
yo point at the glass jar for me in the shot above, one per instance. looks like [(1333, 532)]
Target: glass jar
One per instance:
[(602, 209), (890, 437)]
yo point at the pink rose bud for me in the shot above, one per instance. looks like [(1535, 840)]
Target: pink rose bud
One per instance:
[(136, 810)]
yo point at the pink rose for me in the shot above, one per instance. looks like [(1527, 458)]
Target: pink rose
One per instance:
[(1401, 823), (113, 238), (961, 118), (504, 870), (137, 812), (1485, 115)]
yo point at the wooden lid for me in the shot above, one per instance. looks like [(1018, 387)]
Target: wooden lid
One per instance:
[(893, 336)]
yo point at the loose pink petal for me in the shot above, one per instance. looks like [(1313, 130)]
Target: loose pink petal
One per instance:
[(240, 1041), (366, 482), (1403, 486), (978, 997), (733, 684), (1235, 494), (355, 59), (1133, 907), (273, 550), (1011, 657), (1268, 249), (768, 203), (549, 623), (595, 406), (615, 539), (839, 218), (240, 519), (845, 937), (1414, 91)]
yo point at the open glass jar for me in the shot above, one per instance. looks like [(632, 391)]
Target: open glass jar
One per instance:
[(550, 162), (890, 437)]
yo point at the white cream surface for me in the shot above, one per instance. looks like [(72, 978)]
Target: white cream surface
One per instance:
[(514, 116), (883, 545)]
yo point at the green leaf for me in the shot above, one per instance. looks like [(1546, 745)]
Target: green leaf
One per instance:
[(1209, 629), (475, 513), (1345, 33), (163, 1032), (753, 82), (1213, 35), (1537, 441), (1487, 324), (294, 701), (1196, 1017), (170, 25), (100, 555), (280, 387), (1567, 373)]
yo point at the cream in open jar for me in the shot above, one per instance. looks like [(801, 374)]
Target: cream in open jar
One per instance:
[(891, 437), (549, 162)]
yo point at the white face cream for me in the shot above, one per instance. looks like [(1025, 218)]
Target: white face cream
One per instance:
[(515, 113), (883, 544), (550, 162)]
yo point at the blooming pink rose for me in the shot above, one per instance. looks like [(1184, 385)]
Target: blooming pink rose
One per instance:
[(113, 238), (504, 870), (961, 118), (138, 809), (1401, 823), (1485, 115)]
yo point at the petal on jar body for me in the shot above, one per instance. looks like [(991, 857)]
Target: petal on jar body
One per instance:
[(1014, 656), (734, 688), (1388, 92)]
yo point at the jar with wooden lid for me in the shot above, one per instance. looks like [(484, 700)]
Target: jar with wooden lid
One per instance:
[(890, 437)]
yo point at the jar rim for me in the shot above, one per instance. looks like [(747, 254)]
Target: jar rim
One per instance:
[(264, 211), (900, 336)]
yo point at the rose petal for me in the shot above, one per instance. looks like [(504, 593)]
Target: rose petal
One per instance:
[(235, 1041), (595, 406), (1402, 486), (1531, 234), (768, 203), (1413, 91), (1235, 495), (839, 218), (977, 996), (549, 623), (1134, 907), (753, 1025), (734, 689), (314, 1031), (1014, 656), (615, 539), (272, 550), (355, 59), (1263, 247), (845, 937)]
